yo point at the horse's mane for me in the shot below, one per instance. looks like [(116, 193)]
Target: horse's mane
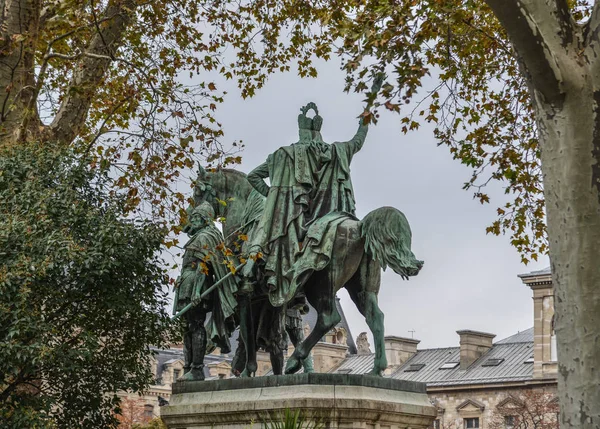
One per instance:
[(241, 174), (388, 238)]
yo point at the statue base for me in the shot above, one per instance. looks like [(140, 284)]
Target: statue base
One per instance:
[(333, 400)]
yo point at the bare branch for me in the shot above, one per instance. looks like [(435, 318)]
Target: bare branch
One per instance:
[(90, 71), (538, 36)]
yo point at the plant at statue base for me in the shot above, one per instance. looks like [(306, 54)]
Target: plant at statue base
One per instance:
[(293, 420), (82, 293)]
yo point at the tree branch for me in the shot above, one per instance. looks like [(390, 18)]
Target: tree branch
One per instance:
[(539, 32), (90, 71), (18, 39)]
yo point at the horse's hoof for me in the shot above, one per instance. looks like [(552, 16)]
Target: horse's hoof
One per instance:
[(293, 365), (246, 373)]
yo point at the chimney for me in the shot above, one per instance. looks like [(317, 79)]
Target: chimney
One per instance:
[(399, 349), (473, 345)]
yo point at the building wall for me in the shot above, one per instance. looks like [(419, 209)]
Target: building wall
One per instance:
[(454, 406)]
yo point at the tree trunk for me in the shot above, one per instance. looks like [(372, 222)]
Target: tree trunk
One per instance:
[(569, 141), (19, 28), (561, 62)]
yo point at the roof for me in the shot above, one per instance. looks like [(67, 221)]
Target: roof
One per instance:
[(356, 364), (512, 366), (165, 356), (504, 362), (525, 336), (544, 272)]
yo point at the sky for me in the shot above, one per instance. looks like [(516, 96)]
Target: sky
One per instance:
[(469, 280)]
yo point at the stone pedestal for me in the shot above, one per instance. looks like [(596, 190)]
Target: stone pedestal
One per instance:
[(335, 400)]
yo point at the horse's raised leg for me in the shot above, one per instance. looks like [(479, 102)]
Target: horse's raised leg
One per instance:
[(321, 296), (363, 289)]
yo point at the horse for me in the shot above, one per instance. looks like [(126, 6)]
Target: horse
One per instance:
[(360, 250), (238, 205)]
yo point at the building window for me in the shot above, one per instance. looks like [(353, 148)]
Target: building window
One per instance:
[(472, 423), (176, 374), (414, 367), (148, 411), (553, 348), (436, 424), (509, 422), (493, 362)]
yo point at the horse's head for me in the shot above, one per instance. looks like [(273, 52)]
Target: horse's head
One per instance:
[(203, 189), (411, 269), (227, 191)]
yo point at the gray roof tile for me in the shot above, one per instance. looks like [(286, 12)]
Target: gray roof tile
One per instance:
[(525, 336), (513, 351), (356, 364), (512, 368)]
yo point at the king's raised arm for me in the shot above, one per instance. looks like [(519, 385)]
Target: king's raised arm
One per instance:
[(356, 142)]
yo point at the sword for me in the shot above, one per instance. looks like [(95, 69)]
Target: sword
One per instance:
[(209, 290)]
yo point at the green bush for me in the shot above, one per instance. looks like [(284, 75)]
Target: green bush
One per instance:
[(82, 293)]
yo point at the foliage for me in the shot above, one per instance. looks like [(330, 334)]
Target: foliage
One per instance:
[(128, 83), (529, 409), (82, 293), (293, 420), (449, 63)]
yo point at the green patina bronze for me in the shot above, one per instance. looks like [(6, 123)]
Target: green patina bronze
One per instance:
[(300, 241), (202, 266), (309, 179)]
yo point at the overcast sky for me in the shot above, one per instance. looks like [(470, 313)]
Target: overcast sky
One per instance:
[(469, 280)]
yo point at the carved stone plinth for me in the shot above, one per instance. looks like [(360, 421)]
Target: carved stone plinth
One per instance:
[(336, 400)]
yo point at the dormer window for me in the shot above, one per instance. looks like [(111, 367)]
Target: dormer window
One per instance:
[(414, 367), (449, 365), (493, 362)]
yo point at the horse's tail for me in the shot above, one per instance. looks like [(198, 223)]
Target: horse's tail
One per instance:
[(387, 238)]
